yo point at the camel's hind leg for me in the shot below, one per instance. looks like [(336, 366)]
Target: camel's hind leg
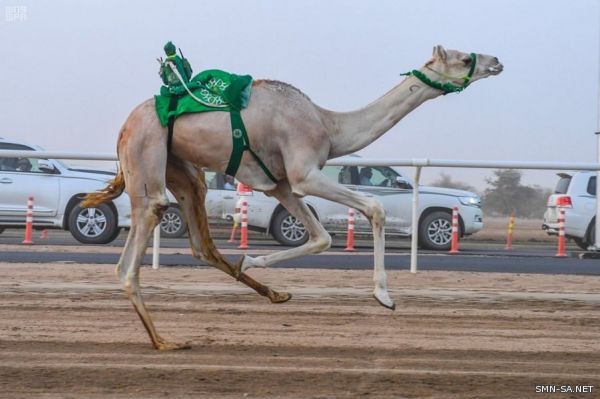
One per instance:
[(128, 268), (143, 161), (186, 182)]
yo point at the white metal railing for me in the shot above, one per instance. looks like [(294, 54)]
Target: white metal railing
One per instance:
[(452, 163), (420, 163), (417, 163), (87, 156)]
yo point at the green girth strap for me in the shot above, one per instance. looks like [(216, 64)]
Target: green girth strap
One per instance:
[(171, 122), (241, 144)]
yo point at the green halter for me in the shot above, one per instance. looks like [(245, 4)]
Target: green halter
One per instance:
[(445, 87)]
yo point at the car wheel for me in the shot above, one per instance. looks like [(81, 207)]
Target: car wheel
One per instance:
[(96, 225), (435, 231), (172, 224), (288, 230)]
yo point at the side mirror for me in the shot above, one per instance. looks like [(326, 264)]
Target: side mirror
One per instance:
[(401, 182), (45, 166)]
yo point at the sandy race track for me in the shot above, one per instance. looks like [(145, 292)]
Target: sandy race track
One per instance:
[(68, 331)]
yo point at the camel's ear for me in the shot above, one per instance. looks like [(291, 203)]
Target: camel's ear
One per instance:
[(439, 52)]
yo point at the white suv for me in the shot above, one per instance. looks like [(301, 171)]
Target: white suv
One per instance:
[(57, 190), (392, 189), (576, 193)]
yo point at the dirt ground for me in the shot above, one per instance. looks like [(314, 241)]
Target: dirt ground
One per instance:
[(68, 331)]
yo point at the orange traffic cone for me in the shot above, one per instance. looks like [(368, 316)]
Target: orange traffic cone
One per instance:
[(561, 235), (29, 222), (350, 236), (244, 228), (454, 242), (509, 237)]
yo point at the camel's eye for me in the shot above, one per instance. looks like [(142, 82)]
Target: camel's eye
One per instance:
[(467, 60)]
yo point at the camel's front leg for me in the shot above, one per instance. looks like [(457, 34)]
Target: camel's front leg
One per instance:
[(319, 239), (315, 183)]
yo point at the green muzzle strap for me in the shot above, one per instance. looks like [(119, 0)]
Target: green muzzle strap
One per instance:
[(445, 87), (241, 144)]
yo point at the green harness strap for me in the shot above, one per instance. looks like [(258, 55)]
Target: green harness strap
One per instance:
[(445, 87), (241, 144), (171, 122)]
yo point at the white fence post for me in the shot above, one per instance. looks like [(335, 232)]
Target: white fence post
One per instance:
[(596, 243), (414, 241), (156, 247)]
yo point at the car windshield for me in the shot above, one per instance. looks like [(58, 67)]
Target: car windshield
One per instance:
[(380, 176), (32, 161), (219, 181), (563, 185), (591, 188), (62, 164)]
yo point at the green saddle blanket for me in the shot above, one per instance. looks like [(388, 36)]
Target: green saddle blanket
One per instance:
[(218, 91)]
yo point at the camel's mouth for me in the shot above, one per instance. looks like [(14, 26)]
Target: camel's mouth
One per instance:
[(496, 69)]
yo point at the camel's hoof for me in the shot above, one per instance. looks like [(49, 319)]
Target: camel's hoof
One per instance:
[(387, 304), (172, 346), (280, 297)]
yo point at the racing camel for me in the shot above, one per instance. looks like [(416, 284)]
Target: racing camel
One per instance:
[(294, 138)]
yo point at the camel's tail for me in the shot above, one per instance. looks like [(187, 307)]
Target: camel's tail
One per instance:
[(113, 190)]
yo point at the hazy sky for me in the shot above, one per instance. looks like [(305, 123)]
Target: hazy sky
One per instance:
[(73, 70)]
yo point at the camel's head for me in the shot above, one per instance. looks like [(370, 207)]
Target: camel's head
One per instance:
[(453, 68)]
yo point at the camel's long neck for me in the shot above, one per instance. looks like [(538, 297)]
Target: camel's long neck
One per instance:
[(352, 131)]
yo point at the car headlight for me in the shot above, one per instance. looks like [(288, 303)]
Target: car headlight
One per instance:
[(470, 201)]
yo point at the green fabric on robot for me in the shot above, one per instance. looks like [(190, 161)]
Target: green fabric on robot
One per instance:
[(217, 91), (182, 65), (211, 90)]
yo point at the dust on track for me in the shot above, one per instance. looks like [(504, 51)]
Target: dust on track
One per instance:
[(69, 331)]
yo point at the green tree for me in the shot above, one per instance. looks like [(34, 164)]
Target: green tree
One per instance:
[(506, 195)]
